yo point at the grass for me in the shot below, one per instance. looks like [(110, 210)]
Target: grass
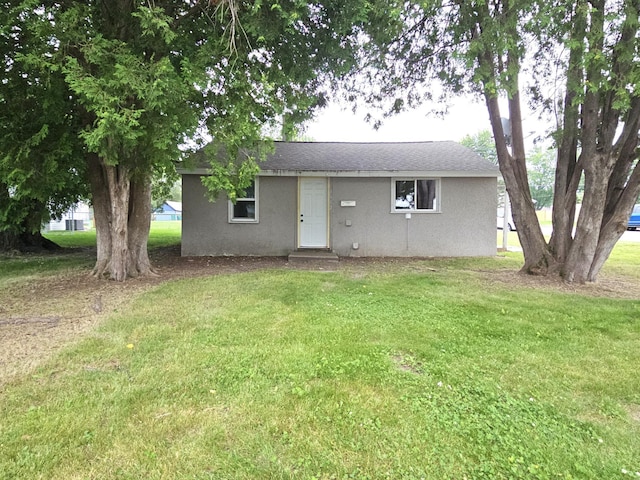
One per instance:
[(624, 260), (31, 267), (79, 253), (400, 373), (161, 234), (383, 373), (513, 242)]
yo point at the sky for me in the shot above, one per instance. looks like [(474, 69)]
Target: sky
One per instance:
[(334, 124), (465, 117)]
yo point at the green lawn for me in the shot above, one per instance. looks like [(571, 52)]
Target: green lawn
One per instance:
[(161, 234), (78, 253), (426, 370)]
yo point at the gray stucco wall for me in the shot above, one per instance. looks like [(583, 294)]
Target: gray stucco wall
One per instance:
[(464, 226), (206, 231)]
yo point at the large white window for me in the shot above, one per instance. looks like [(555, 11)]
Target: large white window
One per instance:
[(415, 195), (245, 210)]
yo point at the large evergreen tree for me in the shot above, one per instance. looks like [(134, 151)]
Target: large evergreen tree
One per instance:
[(41, 170), (584, 59), (142, 79)]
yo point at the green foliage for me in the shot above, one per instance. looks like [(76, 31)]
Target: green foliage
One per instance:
[(139, 84), (164, 189), (582, 65), (232, 171), (41, 169), (541, 169), (230, 179), (482, 143), (139, 103), (400, 373)]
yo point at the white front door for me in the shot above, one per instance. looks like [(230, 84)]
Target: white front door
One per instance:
[(313, 213)]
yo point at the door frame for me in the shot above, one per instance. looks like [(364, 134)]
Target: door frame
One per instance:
[(327, 210)]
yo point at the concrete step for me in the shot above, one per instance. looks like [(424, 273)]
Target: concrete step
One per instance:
[(313, 256)]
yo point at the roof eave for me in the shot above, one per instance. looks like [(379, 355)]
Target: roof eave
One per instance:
[(360, 173), (378, 173)]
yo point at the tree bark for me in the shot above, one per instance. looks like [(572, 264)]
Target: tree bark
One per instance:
[(538, 258), (139, 223), (611, 170), (122, 210), (26, 242), (568, 172), (623, 190), (119, 184), (597, 160), (585, 243), (101, 202)]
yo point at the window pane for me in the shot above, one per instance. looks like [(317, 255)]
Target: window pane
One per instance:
[(405, 194), (244, 209), (426, 194)]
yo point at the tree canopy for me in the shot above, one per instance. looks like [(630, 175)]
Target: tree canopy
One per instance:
[(115, 91), (583, 61), (482, 143), (140, 83), (39, 173)]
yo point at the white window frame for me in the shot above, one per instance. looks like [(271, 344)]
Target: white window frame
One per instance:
[(395, 209), (254, 199)]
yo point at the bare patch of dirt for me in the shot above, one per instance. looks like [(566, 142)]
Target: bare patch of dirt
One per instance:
[(407, 363), (38, 318), (605, 287), (634, 412)]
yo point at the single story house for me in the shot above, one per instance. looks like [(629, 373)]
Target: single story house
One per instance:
[(78, 217), (409, 199), (169, 210)]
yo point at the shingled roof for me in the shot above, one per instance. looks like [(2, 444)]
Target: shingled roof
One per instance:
[(374, 159)]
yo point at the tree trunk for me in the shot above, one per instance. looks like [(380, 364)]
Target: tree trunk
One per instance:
[(568, 173), (139, 224), (8, 242), (538, 258), (596, 159), (615, 222), (102, 215), (597, 103), (609, 236), (122, 209), (26, 242), (585, 243), (119, 185), (26, 236)]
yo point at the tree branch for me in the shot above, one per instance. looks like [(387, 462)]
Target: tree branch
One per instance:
[(590, 107)]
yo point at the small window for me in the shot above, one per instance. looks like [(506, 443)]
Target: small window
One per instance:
[(245, 210), (415, 195)]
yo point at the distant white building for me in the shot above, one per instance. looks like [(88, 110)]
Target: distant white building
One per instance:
[(76, 218), (169, 210)]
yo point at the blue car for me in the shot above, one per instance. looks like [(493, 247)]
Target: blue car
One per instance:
[(634, 220)]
